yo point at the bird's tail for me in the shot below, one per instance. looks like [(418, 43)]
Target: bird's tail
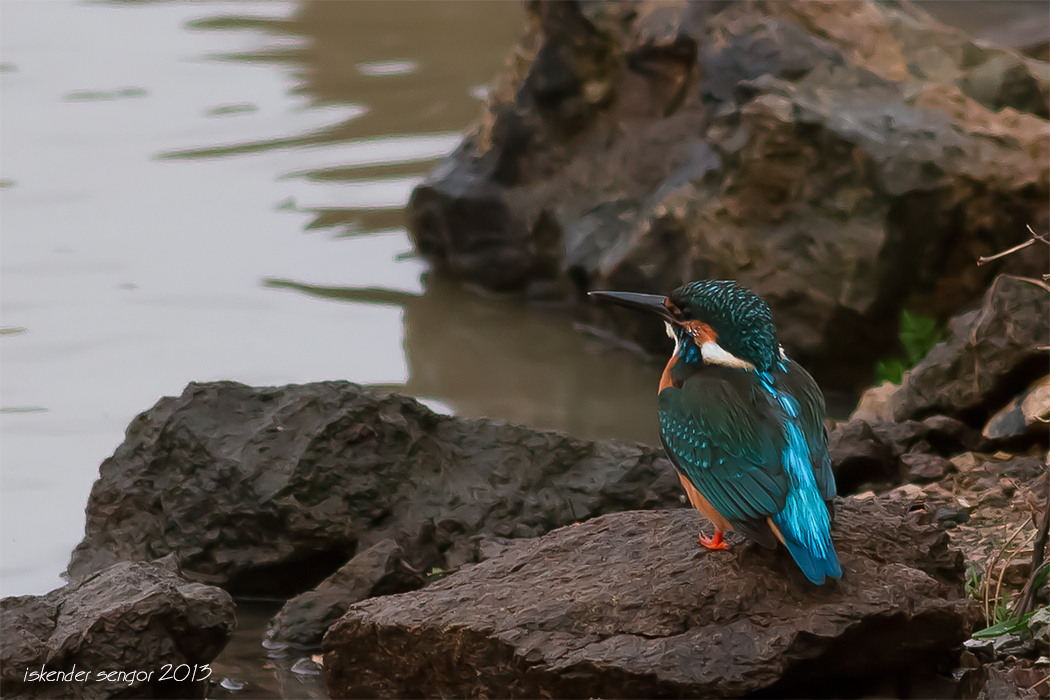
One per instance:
[(811, 549), (804, 525)]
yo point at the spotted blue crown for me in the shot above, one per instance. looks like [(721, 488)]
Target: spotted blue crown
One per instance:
[(742, 321)]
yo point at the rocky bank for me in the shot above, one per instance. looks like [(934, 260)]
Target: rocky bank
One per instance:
[(269, 490), (132, 630), (629, 605), (842, 159)]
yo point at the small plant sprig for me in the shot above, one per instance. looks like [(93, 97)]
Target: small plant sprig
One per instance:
[(918, 335)]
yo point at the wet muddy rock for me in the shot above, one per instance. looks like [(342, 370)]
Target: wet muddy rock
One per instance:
[(270, 490), (379, 570), (129, 617), (629, 605)]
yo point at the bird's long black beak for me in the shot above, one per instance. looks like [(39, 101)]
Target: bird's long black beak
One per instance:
[(654, 303)]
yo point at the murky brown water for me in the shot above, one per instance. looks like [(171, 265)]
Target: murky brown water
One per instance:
[(201, 191), (198, 191)]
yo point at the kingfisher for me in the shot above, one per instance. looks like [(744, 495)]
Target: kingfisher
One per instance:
[(742, 423)]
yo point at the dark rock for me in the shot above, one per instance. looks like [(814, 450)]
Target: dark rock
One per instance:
[(937, 434), (993, 681), (1001, 686), (130, 617), (865, 452), (968, 659), (979, 472), (992, 354), (1008, 670), (949, 517), (919, 467), (970, 682), (981, 648), (269, 491), (628, 605), (1031, 679), (1024, 417), (1020, 468), (379, 570), (823, 155), (860, 455)]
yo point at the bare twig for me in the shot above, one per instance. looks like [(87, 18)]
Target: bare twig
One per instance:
[(988, 258), (1006, 562), (1041, 237), (1044, 237), (1026, 603), (991, 566)]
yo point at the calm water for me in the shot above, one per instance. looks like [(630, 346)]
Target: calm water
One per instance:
[(213, 191), (201, 191)]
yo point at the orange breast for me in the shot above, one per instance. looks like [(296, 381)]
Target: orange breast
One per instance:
[(702, 505), (665, 378)]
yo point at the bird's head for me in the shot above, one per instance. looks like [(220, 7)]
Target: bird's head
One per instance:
[(724, 322)]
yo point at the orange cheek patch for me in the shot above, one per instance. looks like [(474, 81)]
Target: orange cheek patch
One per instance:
[(700, 331)]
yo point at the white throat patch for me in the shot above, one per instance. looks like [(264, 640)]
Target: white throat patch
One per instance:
[(715, 354), (674, 336)]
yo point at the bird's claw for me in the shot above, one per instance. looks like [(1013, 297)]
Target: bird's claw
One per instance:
[(715, 542)]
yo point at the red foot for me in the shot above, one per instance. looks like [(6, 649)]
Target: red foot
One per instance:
[(715, 542)]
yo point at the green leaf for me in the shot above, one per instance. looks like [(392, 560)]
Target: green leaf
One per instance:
[(890, 371), (1042, 576), (1010, 626), (918, 336)]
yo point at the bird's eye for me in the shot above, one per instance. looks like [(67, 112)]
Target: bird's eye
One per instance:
[(678, 313)]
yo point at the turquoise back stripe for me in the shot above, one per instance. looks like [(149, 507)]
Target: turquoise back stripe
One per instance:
[(804, 521)]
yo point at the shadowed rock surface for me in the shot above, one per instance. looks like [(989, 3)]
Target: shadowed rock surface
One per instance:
[(844, 160), (990, 373), (883, 453), (1024, 417), (628, 605), (992, 354), (269, 491), (379, 570), (129, 617)]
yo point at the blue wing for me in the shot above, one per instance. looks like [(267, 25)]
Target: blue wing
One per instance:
[(755, 451), (722, 431), (805, 522), (792, 379)]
